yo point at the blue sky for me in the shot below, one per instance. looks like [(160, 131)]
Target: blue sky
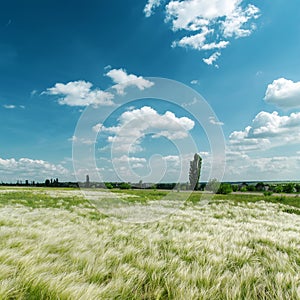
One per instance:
[(57, 60)]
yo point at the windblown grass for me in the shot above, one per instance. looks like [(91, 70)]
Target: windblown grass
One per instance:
[(53, 248)]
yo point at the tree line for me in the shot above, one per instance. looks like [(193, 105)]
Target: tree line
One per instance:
[(213, 185)]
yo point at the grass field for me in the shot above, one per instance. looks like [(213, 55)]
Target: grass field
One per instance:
[(54, 244)]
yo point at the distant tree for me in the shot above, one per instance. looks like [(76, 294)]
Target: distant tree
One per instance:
[(235, 187), (297, 187), (224, 188), (108, 185), (165, 186), (87, 181), (289, 188), (251, 188), (47, 182), (124, 186), (278, 188), (212, 185), (260, 186), (195, 169)]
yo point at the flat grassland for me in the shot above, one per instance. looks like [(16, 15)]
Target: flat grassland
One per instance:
[(54, 244)]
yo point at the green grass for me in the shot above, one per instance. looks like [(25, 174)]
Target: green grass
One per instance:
[(142, 195), (196, 197), (37, 198), (30, 199), (234, 247)]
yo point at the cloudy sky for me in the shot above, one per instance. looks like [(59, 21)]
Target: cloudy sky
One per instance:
[(70, 72)]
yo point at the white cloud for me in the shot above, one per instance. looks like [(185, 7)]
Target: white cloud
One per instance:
[(75, 139), (173, 159), (12, 106), (150, 6), (194, 81), (167, 124), (212, 58), (210, 21), (266, 131), (194, 41), (213, 121), (124, 80), (137, 165), (129, 159), (233, 24), (192, 14), (283, 93), (125, 163), (135, 124), (29, 169), (80, 93), (194, 101), (219, 45), (9, 106), (197, 42), (98, 127), (240, 167)]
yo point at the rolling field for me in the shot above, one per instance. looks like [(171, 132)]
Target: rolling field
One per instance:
[(54, 244)]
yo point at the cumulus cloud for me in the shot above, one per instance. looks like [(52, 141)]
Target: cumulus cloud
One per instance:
[(197, 42), (80, 93), (212, 58), (212, 22), (193, 14), (233, 26), (240, 166), (266, 131), (150, 6), (29, 169), (135, 124), (126, 162), (283, 93), (124, 80), (173, 159)]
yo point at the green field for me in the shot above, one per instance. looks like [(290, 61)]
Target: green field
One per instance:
[(54, 244)]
